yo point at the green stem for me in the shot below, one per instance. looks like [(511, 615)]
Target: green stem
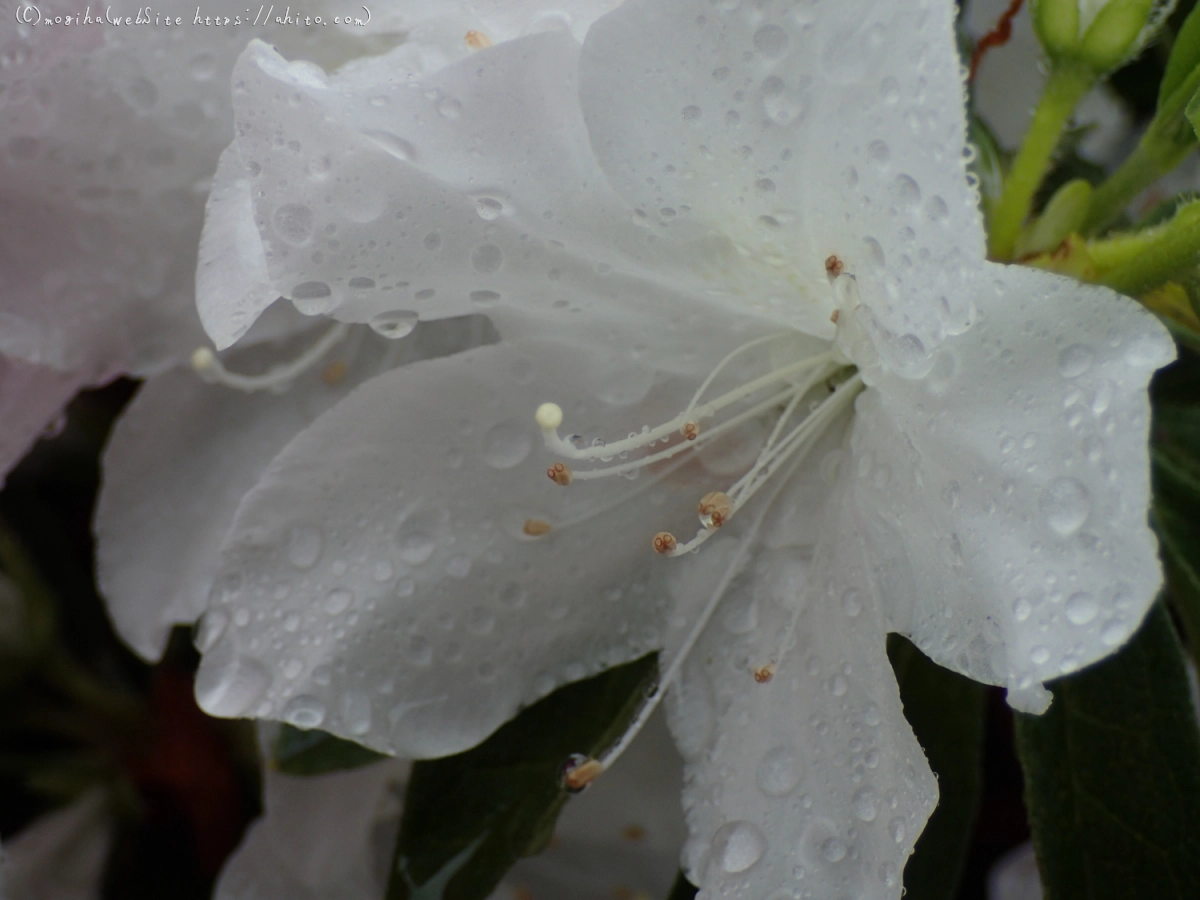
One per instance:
[(1164, 252), (1166, 143), (1064, 89)]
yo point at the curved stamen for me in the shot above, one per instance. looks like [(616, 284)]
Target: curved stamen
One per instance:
[(210, 368)]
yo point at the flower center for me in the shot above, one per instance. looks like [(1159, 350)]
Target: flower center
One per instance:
[(786, 392)]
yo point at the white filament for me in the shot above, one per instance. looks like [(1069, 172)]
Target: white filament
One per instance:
[(209, 367)]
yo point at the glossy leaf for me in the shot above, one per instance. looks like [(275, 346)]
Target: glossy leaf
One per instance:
[(469, 817), (1112, 774), (945, 711), (301, 752)]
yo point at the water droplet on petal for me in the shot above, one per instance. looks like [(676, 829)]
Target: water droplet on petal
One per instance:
[(304, 546), (852, 602), (228, 688), (1073, 361), (507, 445), (779, 772), (393, 144), (1082, 608), (898, 829), (416, 547), (338, 601), (771, 42), (293, 222), (356, 712), (395, 324), (304, 711), (833, 849), (737, 846), (865, 804), (1065, 504), (487, 258), (212, 625)]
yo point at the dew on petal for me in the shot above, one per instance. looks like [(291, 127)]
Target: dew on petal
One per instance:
[(338, 601), (779, 772), (304, 546), (737, 846), (1065, 504), (833, 849), (395, 324), (866, 804), (231, 687), (293, 222), (304, 711), (1073, 361), (356, 712), (506, 445), (1081, 608)]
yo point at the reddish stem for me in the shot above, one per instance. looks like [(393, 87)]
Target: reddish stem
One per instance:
[(997, 37)]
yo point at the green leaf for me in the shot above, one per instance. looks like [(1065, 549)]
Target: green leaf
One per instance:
[(1112, 776), (945, 711), (1175, 455), (302, 752), (469, 817), (1184, 58)]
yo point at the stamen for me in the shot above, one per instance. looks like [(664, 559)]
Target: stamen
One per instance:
[(211, 369), (335, 373), (664, 542), (579, 771), (477, 40), (613, 753), (560, 474), (690, 430), (715, 509), (537, 527), (834, 266), (763, 674)]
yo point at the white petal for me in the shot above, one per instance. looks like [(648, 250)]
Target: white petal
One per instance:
[(620, 838), (318, 837), (30, 398), (184, 453), (474, 190), (799, 131), (811, 781), (1004, 494), (232, 285), (61, 855), (111, 137), (378, 581)]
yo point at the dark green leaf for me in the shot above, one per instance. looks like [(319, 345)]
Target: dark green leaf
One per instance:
[(1184, 58), (683, 889), (945, 711), (1175, 454), (469, 817), (300, 752), (1112, 776)]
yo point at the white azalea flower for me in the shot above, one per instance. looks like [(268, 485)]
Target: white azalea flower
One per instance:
[(662, 226), (60, 856)]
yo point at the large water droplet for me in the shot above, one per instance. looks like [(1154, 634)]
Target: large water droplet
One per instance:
[(1065, 504), (833, 849), (487, 258), (293, 222), (395, 324), (771, 42), (737, 846), (1082, 608), (866, 804), (898, 829), (304, 711), (506, 445), (1073, 361), (304, 546), (489, 208), (416, 547), (338, 601), (229, 687), (779, 772)]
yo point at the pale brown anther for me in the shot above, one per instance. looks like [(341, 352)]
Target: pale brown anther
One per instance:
[(763, 674), (580, 776), (833, 317), (334, 373), (690, 430), (833, 266), (477, 40), (537, 527), (559, 473), (715, 509), (664, 542)]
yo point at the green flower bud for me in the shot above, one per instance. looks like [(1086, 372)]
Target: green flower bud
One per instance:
[(1099, 34)]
